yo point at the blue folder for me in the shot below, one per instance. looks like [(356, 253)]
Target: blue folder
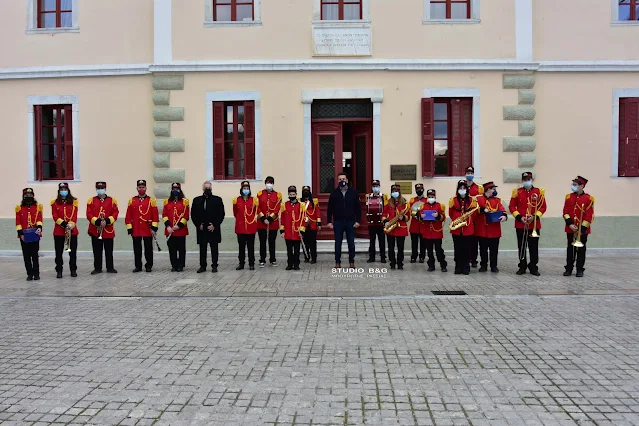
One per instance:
[(30, 235)]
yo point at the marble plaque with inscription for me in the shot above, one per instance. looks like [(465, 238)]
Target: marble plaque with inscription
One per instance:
[(331, 41)]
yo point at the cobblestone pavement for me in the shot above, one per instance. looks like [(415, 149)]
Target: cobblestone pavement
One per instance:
[(489, 358)]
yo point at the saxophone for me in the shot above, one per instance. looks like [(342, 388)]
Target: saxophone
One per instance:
[(393, 223), (462, 220)]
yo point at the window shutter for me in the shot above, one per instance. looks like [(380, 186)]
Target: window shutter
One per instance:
[(218, 140), (466, 116), (68, 142), (249, 139), (38, 140), (428, 138), (628, 137)]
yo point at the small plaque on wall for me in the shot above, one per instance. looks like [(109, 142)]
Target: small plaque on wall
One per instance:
[(405, 187), (403, 171)]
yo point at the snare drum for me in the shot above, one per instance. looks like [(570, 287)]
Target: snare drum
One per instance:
[(374, 209)]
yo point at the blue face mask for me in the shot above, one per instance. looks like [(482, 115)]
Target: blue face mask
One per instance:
[(469, 178), (528, 184), (376, 189), (246, 192), (494, 193), (64, 193), (100, 191), (175, 193), (395, 194), (574, 188)]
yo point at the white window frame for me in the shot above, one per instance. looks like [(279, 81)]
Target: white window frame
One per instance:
[(317, 15), (462, 93), (211, 97), (32, 19), (616, 95), (474, 15), (75, 131), (614, 13), (210, 23)]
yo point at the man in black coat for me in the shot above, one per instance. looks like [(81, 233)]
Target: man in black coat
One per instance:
[(344, 215), (207, 213)]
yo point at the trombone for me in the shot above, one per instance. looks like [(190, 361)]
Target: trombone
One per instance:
[(524, 245), (534, 199)]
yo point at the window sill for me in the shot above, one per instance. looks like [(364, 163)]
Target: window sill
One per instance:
[(236, 181), (52, 30), (624, 23), (450, 178), (51, 182), (216, 24), (451, 21), (342, 24)]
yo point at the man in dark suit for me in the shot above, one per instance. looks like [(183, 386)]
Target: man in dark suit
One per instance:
[(207, 213), (344, 214)]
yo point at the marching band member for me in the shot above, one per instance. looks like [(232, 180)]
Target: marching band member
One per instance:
[(102, 212), (268, 220), (433, 230), (64, 210), (488, 226), (462, 208), (416, 226), (141, 220), (527, 205), (579, 212), (175, 215), (395, 219), (245, 211), (207, 215), (29, 227), (312, 223), (375, 203), (473, 190), (291, 227)]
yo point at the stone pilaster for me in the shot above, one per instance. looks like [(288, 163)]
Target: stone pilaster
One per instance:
[(524, 112)]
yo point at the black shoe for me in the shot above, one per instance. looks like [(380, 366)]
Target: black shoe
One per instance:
[(580, 274), (296, 267), (289, 268), (74, 274), (483, 269), (95, 272), (213, 269), (202, 269), (306, 260), (137, 270), (36, 277), (370, 260), (444, 269), (273, 263), (59, 275), (111, 271), (400, 266), (421, 260), (431, 268), (474, 264), (535, 273), (262, 264), (239, 267), (252, 267), (29, 278), (313, 261), (383, 260), (458, 272), (148, 269), (567, 273), (392, 266), (180, 269), (413, 260), (174, 269), (494, 269), (520, 272), (466, 272)]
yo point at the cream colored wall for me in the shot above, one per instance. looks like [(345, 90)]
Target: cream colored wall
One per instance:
[(286, 33), (111, 32), (565, 31), (115, 133)]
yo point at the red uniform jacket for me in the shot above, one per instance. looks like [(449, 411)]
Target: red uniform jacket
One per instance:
[(28, 217), (521, 203), (142, 216), (574, 205), (312, 215), (475, 190), (270, 205), (176, 213), (401, 230), (482, 227), (416, 225), (291, 220), (246, 215), (106, 210), (434, 230), (457, 208), (64, 213)]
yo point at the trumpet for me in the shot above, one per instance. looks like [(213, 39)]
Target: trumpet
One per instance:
[(576, 242), (462, 220), (101, 224), (67, 239)]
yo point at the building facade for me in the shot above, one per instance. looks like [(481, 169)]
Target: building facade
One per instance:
[(191, 90)]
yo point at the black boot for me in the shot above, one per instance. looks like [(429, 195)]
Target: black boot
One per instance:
[(568, 272), (74, 273), (59, 275), (370, 260), (580, 273), (239, 267)]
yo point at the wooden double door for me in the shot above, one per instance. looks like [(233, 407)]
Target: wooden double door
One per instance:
[(342, 147)]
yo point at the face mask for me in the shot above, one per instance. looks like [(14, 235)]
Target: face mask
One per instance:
[(100, 191), (574, 188), (142, 191), (175, 193), (494, 194), (528, 184), (431, 200), (420, 193), (376, 189), (306, 195), (28, 200), (292, 199), (269, 186), (64, 193), (342, 184), (469, 178), (207, 191), (246, 192), (395, 194), (462, 192)]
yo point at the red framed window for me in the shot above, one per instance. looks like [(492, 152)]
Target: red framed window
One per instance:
[(55, 13), (234, 140), (628, 10), (341, 10), (54, 142), (449, 9), (628, 137), (447, 136), (232, 10)]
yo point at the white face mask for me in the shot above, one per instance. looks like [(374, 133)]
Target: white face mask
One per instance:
[(431, 200), (269, 186), (462, 192)]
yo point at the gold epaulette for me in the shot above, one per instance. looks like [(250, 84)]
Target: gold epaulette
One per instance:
[(592, 200), (316, 201), (282, 207), (480, 189), (90, 200), (515, 191), (235, 200), (52, 202), (451, 203), (166, 202), (130, 201), (75, 203), (385, 197), (568, 196), (542, 191), (154, 202), (40, 207), (443, 207), (259, 193), (256, 202), (18, 208), (302, 208), (185, 201), (279, 195), (115, 202)]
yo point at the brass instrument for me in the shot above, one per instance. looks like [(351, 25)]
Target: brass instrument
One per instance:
[(67, 239), (101, 224), (462, 220), (393, 223), (534, 200), (577, 238), (415, 209)]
